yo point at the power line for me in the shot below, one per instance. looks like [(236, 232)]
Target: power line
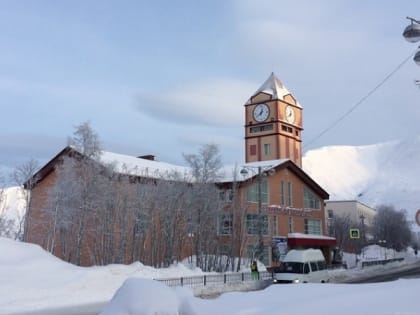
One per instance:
[(360, 102)]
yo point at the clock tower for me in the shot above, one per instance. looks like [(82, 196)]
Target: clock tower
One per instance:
[(273, 124)]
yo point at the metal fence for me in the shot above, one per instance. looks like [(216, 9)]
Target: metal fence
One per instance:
[(380, 262), (215, 279)]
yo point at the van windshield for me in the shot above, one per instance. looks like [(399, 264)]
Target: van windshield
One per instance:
[(290, 267)]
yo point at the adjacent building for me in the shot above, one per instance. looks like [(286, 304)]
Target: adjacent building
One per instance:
[(356, 211)]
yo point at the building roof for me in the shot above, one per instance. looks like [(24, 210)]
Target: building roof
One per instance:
[(146, 168), (273, 87)]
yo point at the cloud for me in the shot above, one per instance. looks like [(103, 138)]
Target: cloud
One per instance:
[(216, 102)]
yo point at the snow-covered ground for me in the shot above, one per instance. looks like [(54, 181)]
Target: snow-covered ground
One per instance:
[(32, 279), (12, 209)]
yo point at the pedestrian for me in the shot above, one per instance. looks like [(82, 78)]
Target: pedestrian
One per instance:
[(254, 270)]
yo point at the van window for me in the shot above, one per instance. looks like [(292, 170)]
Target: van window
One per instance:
[(322, 265), (314, 266), (306, 268), (290, 267)]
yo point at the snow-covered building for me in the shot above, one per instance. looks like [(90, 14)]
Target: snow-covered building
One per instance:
[(267, 201)]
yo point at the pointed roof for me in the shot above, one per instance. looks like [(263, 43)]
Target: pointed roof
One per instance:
[(273, 87)]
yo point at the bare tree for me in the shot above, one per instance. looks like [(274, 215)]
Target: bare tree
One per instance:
[(392, 227), (341, 225), (204, 207), (205, 166), (86, 141), (23, 175), (60, 208)]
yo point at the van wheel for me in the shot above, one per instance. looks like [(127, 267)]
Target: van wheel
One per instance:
[(322, 281)]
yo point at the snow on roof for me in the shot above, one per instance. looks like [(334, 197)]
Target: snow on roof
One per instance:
[(309, 236), (232, 173), (132, 165), (274, 87)]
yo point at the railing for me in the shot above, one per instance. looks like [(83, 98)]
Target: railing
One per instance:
[(380, 262), (215, 280)]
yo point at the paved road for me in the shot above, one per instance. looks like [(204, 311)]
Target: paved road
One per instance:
[(87, 309)]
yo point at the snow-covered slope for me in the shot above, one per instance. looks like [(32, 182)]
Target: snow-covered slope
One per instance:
[(12, 208), (386, 173)]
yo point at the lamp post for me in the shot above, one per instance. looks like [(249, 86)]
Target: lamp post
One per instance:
[(384, 243), (362, 219), (261, 171)]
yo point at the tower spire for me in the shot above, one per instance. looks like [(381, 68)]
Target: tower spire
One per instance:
[(274, 87)]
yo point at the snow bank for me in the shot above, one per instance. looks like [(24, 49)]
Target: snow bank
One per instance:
[(148, 297), (33, 279)]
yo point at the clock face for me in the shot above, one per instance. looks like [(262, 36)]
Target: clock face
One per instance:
[(261, 112), (290, 114)]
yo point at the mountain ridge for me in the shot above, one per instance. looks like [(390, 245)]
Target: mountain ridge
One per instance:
[(377, 174)]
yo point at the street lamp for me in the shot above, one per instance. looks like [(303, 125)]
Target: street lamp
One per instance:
[(412, 34), (261, 172)]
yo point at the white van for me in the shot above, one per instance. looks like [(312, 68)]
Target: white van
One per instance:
[(301, 266)]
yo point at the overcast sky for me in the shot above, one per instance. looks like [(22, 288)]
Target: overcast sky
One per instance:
[(165, 77)]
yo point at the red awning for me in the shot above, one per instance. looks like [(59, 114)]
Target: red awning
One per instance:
[(312, 240)]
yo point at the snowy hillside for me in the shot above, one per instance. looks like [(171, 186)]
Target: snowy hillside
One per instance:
[(376, 174), (12, 207)]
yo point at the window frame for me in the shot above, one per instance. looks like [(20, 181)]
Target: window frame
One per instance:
[(252, 192), (252, 224), (225, 224)]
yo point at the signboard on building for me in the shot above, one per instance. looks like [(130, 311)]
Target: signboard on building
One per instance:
[(280, 247), (277, 209)]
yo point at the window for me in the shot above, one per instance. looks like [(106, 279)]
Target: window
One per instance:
[(282, 194), (314, 266), (290, 267), (312, 226), (286, 194), (252, 224), (287, 129), (322, 265), (330, 214), (226, 195), (252, 192), (275, 226), (261, 128), (225, 224), (267, 149), (291, 225), (310, 200), (289, 194)]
